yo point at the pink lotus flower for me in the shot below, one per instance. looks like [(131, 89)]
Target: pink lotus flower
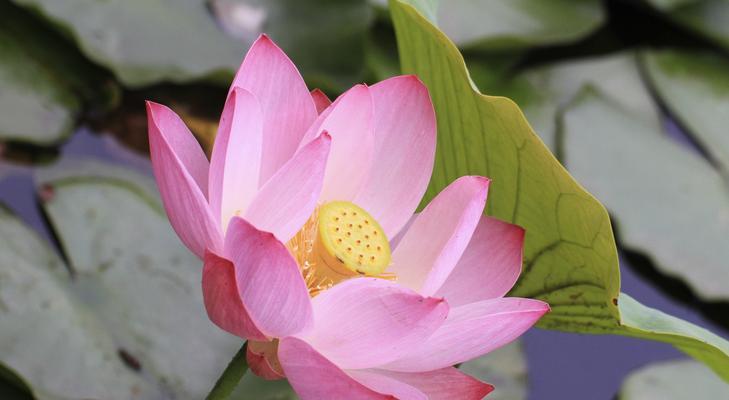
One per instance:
[(304, 220)]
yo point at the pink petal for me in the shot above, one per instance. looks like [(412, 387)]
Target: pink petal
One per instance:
[(404, 151), (490, 265), (164, 122), (432, 246), (313, 377), (288, 109), (236, 160), (443, 384), (395, 240), (268, 279), (471, 331), (320, 100), (258, 362), (181, 171), (222, 302), (288, 199), (366, 322), (387, 385), (350, 121)]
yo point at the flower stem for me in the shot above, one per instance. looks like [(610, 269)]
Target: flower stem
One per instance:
[(231, 376)]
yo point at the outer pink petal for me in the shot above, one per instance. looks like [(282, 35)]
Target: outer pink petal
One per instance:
[(471, 331), (320, 100), (164, 122), (268, 279), (490, 265), (236, 160), (181, 171), (350, 121), (443, 384), (404, 151), (313, 377), (260, 366), (288, 199), (388, 385), (222, 301), (367, 322), (430, 249), (288, 109)]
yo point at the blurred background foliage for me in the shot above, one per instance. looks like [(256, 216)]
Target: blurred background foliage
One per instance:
[(654, 148)]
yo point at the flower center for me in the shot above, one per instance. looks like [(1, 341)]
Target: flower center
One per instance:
[(340, 241)]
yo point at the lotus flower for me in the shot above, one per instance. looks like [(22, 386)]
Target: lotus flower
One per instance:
[(304, 218)]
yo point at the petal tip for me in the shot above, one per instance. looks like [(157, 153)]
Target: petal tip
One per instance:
[(482, 183), (265, 40), (153, 108)]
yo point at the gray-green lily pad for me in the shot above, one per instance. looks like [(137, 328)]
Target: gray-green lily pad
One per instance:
[(694, 86), (670, 4), (706, 17), (125, 319), (674, 380), (541, 92), (512, 24), (46, 335), (44, 81), (498, 24), (505, 368), (144, 42), (668, 202), (325, 39)]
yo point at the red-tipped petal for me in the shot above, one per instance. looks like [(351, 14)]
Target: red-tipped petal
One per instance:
[(222, 301), (321, 100), (268, 279)]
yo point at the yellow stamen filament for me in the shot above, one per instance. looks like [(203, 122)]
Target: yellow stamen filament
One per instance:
[(338, 242)]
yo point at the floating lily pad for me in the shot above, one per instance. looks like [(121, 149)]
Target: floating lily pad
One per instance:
[(512, 24), (674, 380), (695, 88), (127, 312), (706, 17), (325, 39), (44, 330), (146, 42), (541, 92), (629, 165), (44, 81), (570, 254), (505, 368), (670, 4), (498, 24)]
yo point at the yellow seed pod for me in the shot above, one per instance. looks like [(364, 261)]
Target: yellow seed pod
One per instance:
[(353, 239)]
